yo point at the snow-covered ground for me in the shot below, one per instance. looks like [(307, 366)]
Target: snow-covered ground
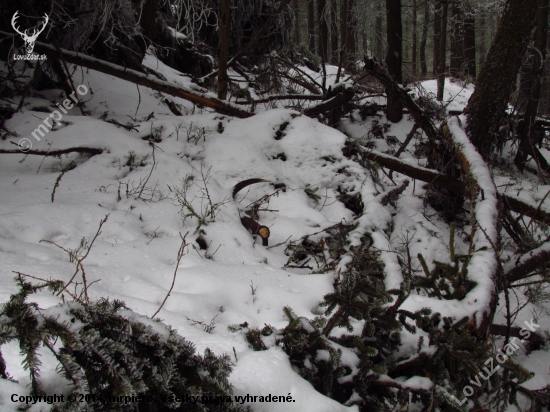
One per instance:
[(236, 279)]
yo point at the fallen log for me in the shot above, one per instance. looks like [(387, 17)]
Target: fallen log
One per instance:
[(195, 95), (484, 261), (437, 179), (89, 150), (340, 95), (529, 262)]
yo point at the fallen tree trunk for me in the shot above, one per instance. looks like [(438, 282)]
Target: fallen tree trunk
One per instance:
[(89, 150), (529, 262), (484, 261), (437, 179), (197, 95), (340, 95)]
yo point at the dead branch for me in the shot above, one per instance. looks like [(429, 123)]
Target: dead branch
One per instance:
[(285, 97), (341, 95), (181, 252), (90, 150), (529, 262)]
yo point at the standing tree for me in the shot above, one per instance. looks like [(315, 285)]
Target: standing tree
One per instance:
[(443, 51), (532, 77), (322, 43), (424, 39), (225, 23), (334, 31), (437, 36), (457, 37), (469, 41), (394, 58), (311, 24), (498, 75)]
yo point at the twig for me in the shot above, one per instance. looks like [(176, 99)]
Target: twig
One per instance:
[(181, 252), (91, 150), (44, 158)]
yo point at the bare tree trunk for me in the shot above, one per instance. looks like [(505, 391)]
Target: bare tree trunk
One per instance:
[(457, 35), (437, 37), (334, 31), (343, 29), (350, 32), (414, 37), (424, 40), (378, 32), (322, 44), (394, 58), (469, 44), (225, 23), (311, 24), (443, 55), (298, 24), (482, 30), (525, 129), (497, 77)]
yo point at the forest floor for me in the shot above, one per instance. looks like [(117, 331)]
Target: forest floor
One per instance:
[(182, 183)]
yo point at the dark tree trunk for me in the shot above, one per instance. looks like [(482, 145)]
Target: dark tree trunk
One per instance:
[(414, 37), (394, 58), (343, 28), (457, 35), (498, 75), (526, 133), (469, 44), (350, 32), (424, 40), (322, 44), (482, 49), (443, 51), (334, 31), (225, 24), (298, 24), (378, 32), (437, 36), (311, 25)]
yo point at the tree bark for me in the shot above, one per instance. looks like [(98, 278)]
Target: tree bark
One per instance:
[(298, 23), (322, 43), (457, 36), (351, 26), (414, 37), (489, 101), (469, 42), (379, 54), (436, 37), (394, 58), (424, 40), (443, 51), (311, 24), (225, 24), (334, 31), (525, 130)]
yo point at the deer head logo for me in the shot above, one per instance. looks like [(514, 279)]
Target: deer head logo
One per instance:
[(29, 35)]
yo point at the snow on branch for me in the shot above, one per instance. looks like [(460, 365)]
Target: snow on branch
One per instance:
[(484, 265), (528, 263)]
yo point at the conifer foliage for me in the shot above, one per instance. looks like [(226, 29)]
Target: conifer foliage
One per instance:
[(105, 348)]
